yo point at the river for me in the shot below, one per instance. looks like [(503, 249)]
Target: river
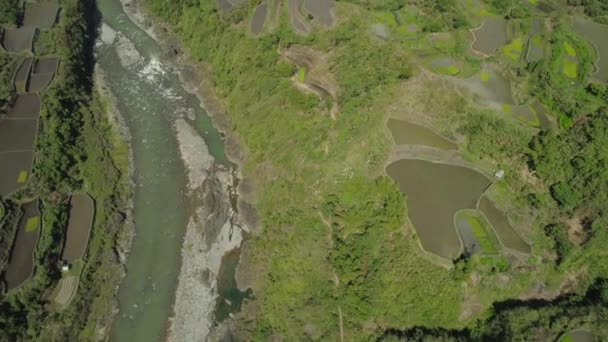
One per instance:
[(151, 99)]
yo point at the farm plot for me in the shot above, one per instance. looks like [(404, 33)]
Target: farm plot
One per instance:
[(21, 261), (26, 106), (297, 22), (17, 40), (43, 72), (535, 43), (490, 36), (597, 34), (258, 19), (39, 82), (23, 74), (503, 228), (66, 288), (40, 15), (15, 170), (17, 135), (321, 10), (79, 226)]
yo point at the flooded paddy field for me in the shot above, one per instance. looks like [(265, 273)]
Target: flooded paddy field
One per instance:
[(21, 261), (46, 65), (258, 19), (22, 75), (40, 14), (500, 222), (535, 41), (17, 40), (597, 35), (490, 36), (15, 170), (435, 193), (488, 86), (39, 82), (297, 22), (404, 132), (17, 135), (82, 211), (321, 10), (26, 106)]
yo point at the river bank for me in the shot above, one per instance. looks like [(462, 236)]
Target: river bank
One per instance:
[(214, 225)]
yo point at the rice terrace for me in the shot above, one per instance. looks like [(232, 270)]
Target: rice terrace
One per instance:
[(21, 220)]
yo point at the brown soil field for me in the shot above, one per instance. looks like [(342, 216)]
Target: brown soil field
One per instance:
[(22, 75), (21, 261), (26, 106), (41, 15), (17, 135), (16, 40), (82, 212), (13, 165)]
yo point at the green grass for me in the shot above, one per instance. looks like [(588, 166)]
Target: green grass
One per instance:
[(301, 74), (386, 18), (514, 49), (22, 178), (451, 70), (506, 108), (570, 50), (32, 224), (484, 76), (481, 235), (569, 68)]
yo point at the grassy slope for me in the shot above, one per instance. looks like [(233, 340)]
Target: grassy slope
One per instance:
[(313, 174)]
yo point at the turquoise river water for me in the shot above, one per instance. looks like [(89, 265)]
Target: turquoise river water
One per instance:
[(150, 97)]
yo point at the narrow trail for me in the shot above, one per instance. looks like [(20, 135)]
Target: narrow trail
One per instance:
[(341, 326)]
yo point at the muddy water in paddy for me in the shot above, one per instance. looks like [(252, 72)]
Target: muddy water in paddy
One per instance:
[(408, 133), (259, 16), (500, 222), (435, 192), (490, 36), (150, 97), (21, 261), (597, 34), (79, 225)]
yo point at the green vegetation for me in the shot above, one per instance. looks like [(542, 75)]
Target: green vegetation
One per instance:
[(482, 235), (9, 11), (73, 127), (342, 247), (570, 68), (301, 74), (32, 224), (8, 66), (514, 49)]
